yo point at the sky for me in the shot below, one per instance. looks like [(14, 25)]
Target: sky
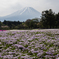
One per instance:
[(9, 6)]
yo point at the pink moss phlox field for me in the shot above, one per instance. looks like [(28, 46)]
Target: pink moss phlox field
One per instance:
[(29, 44)]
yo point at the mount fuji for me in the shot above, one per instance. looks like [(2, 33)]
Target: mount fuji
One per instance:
[(22, 15)]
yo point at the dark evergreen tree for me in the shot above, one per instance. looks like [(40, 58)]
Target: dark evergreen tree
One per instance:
[(0, 24), (48, 19), (57, 20)]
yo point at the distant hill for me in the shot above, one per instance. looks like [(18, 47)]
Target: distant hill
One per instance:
[(22, 15)]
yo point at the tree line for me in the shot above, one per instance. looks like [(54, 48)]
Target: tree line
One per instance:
[(48, 20)]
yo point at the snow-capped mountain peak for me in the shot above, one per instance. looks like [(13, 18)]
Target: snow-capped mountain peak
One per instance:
[(23, 14)]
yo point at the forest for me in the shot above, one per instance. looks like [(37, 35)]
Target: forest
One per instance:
[(48, 20)]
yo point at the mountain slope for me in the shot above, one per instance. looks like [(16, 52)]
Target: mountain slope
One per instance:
[(22, 14)]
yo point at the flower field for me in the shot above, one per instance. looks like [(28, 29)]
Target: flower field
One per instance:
[(29, 44)]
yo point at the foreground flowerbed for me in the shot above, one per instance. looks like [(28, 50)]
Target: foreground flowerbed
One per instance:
[(29, 44)]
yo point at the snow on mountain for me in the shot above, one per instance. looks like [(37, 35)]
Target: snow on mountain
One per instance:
[(22, 14)]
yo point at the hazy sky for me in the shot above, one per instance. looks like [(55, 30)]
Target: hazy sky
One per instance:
[(10, 6)]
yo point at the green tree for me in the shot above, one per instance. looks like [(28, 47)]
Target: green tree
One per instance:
[(28, 23), (48, 19), (32, 23), (0, 24), (57, 20)]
